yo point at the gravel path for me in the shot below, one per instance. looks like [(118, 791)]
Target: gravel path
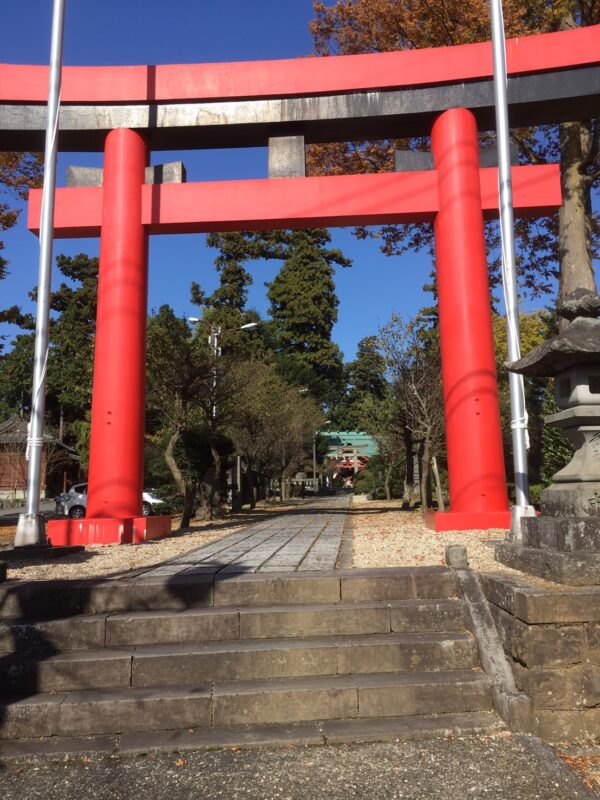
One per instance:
[(492, 768), (385, 536)]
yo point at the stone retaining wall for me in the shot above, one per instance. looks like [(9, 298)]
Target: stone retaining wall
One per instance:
[(551, 635)]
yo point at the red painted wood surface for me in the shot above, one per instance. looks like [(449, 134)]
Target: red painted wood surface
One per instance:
[(296, 202), (476, 474), (300, 76), (118, 397)]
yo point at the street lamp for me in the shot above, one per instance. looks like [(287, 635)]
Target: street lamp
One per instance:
[(215, 349)]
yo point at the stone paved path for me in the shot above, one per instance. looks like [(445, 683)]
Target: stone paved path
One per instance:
[(306, 539)]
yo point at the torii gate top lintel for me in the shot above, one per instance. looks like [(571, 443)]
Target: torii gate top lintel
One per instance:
[(553, 77), (296, 77)]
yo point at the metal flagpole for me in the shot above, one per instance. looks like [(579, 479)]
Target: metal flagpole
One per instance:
[(30, 527), (517, 392)]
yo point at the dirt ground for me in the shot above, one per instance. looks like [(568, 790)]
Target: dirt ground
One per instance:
[(385, 536)]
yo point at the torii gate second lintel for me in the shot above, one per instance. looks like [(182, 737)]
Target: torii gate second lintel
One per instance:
[(455, 196)]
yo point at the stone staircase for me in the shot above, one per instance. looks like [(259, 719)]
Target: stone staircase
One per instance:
[(200, 660)]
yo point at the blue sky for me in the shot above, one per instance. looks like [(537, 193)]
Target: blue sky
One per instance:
[(182, 31)]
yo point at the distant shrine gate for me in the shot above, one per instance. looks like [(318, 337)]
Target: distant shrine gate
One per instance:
[(446, 93)]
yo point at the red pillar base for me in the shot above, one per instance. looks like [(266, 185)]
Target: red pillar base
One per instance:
[(103, 530), (147, 528), (440, 521)]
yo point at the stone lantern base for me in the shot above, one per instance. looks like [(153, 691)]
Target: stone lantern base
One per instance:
[(563, 549)]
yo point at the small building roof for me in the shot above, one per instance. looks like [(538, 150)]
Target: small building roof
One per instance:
[(14, 431)]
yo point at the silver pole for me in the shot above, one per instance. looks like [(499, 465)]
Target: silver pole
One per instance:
[(517, 392), (213, 341), (30, 527)]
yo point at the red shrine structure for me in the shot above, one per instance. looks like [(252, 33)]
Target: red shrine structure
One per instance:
[(444, 93)]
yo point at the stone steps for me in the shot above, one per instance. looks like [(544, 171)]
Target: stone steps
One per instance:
[(176, 592), (167, 665), (259, 702), (210, 624), (373, 729), (207, 653)]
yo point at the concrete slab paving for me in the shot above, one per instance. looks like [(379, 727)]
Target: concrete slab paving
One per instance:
[(307, 539)]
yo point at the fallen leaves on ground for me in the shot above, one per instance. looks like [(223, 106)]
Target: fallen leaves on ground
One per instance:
[(587, 769)]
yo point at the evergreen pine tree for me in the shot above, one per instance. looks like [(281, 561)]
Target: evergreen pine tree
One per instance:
[(365, 380), (304, 311), (71, 353)]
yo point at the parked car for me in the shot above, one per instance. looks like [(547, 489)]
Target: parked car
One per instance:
[(74, 502)]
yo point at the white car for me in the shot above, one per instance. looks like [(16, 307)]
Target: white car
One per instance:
[(74, 502)]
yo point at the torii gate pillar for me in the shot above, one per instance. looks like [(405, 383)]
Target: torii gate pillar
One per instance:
[(478, 497), (116, 456), (116, 468)]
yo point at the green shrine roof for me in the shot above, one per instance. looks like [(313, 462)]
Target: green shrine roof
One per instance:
[(339, 440)]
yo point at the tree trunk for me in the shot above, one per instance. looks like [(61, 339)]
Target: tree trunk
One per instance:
[(425, 466), (205, 491), (186, 489), (409, 475), (216, 457), (438, 485), (283, 485), (386, 483), (251, 486), (574, 216), (251, 481)]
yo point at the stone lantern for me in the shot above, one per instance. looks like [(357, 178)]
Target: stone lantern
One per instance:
[(563, 544)]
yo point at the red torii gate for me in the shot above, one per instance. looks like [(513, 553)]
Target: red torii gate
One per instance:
[(456, 196)]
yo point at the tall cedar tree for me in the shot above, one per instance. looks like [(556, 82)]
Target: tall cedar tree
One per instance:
[(226, 306), (365, 378), (367, 371), (569, 239), (224, 309), (303, 301), (304, 310), (72, 335)]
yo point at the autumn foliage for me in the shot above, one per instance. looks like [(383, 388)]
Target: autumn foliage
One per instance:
[(565, 244)]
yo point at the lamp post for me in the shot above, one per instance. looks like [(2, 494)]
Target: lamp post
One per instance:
[(213, 342)]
